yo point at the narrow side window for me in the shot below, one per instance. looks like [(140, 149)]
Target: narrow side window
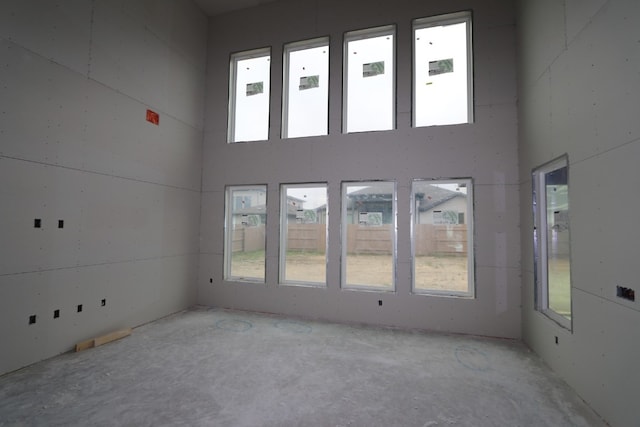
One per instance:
[(552, 241)]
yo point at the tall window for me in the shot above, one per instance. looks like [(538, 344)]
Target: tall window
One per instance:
[(369, 79), (306, 88), (552, 242), (369, 235), (249, 95), (442, 237), (244, 249), (442, 70), (303, 234)]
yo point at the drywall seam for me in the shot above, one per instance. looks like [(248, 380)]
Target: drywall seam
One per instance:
[(71, 70), (99, 173), (73, 267)]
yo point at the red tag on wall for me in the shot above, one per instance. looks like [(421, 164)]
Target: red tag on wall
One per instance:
[(153, 117)]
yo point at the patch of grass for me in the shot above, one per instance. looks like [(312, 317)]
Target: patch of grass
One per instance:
[(248, 256), (302, 253), (559, 280)]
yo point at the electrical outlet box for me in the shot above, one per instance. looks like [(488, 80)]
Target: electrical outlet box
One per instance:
[(625, 293)]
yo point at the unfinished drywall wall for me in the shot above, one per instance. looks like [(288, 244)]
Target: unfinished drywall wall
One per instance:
[(117, 198), (580, 95), (485, 150)]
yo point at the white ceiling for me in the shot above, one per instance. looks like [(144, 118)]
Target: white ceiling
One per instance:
[(216, 7)]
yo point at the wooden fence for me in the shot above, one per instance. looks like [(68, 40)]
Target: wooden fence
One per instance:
[(369, 240), (307, 237), (430, 239), (441, 239), (248, 239)]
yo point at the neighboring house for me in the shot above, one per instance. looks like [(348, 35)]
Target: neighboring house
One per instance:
[(321, 214), (369, 200), (249, 208), (297, 213), (251, 216), (438, 206)]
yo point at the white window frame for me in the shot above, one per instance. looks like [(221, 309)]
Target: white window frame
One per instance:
[(228, 233), (233, 71), (284, 235), (443, 20), (361, 35), (541, 256), (288, 49), (469, 221), (343, 238)]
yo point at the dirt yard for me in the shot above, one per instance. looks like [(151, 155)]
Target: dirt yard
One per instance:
[(432, 272)]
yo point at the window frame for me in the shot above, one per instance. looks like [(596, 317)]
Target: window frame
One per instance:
[(540, 241), (469, 221), (284, 236), (233, 71), (344, 236), (286, 51), (436, 21), (229, 209), (362, 34)]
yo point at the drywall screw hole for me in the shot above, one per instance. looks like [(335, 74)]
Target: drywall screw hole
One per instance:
[(79, 308), (32, 319), (56, 314), (103, 303), (379, 302)]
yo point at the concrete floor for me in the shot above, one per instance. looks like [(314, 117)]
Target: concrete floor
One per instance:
[(211, 367)]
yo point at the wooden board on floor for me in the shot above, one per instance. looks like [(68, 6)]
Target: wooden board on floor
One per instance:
[(103, 339)]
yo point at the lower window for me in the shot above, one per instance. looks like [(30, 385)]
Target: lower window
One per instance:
[(442, 237), (303, 234), (551, 240), (246, 216), (369, 235)]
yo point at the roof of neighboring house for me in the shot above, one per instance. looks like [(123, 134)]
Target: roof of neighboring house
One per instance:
[(429, 199), (292, 209), (436, 196), (261, 210), (368, 192)]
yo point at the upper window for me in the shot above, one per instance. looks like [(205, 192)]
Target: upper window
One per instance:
[(244, 249), (306, 88), (303, 234), (442, 70), (442, 237), (249, 96), (369, 80), (551, 240), (369, 235)]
